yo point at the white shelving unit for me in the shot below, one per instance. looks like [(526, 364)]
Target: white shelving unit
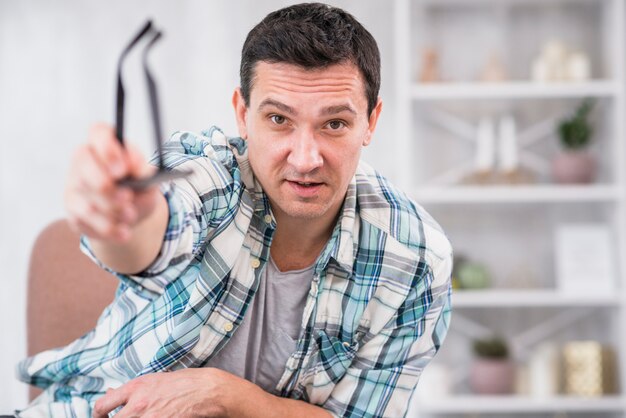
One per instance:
[(506, 224), (518, 194), (520, 404), (513, 90), (528, 298)]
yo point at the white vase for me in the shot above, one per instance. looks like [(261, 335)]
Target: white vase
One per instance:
[(544, 373)]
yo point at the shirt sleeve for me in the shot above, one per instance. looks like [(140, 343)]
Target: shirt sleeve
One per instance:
[(198, 205), (385, 370)]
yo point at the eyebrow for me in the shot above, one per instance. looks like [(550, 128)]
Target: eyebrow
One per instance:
[(327, 111), (283, 107), (333, 110)]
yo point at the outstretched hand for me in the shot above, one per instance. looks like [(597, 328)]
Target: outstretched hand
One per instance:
[(96, 205)]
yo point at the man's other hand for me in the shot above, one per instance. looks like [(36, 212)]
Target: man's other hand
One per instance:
[(186, 393), (96, 205), (202, 392)]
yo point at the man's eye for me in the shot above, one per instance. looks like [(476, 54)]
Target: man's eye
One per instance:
[(277, 119), (335, 124)]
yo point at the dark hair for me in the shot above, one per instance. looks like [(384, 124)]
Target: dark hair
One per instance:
[(311, 35)]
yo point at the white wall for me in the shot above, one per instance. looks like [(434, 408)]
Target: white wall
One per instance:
[(57, 74)]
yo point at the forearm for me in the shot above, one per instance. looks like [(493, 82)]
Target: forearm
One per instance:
[(256, 403), (141, 249)]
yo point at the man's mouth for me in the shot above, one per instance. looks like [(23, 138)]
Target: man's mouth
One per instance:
[(305, 189), (305, 183)]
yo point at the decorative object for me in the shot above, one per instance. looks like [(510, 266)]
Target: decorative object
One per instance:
[(507, 156), (496, 158), (492, 372), (584, 259), (484, 161), (430, 67), (472, 275), (589, 369), (551, 63), (575, 164), (578, 67), (544, 371), (555, 62)]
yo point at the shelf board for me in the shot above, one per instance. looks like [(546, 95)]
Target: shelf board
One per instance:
[(521, 404), (448, 3), (516, 194), (514, 90), (506, 298)]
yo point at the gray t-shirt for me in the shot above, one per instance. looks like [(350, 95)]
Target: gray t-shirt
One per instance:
[(267, 336)]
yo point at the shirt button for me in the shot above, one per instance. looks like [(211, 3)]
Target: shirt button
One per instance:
[(228, 327), (267, 219), (346, 344), (255, 263)]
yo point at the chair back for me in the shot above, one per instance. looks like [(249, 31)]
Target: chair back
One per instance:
[(66, 291)]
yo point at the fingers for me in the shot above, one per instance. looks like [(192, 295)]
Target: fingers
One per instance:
[(111, 400), (143, 200), (101, 227), (90, 173), (109, 151), (96, 205)]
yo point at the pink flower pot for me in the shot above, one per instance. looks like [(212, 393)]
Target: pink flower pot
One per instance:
[(574, 167), (492, 376)]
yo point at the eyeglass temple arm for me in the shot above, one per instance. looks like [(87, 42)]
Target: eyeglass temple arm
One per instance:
[(119, 115), (154, 100)]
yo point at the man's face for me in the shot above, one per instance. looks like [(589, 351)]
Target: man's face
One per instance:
[(305, 130)]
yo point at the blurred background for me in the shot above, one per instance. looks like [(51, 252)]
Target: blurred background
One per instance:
[(505, 119)]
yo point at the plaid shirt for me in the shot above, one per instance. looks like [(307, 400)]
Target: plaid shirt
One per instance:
[(377, 311)]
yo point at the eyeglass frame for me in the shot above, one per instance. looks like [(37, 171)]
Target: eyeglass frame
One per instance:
[(162, 174)]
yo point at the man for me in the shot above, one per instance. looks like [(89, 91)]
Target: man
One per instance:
[(283, 277)]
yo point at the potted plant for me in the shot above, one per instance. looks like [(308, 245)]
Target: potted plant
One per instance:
[(492, 371), (575, 164)]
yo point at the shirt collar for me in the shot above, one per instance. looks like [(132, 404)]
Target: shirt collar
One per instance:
[(240, 150), (341, 246)]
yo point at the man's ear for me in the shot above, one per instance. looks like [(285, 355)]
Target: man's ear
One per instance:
[(241, 112), (373, 120)]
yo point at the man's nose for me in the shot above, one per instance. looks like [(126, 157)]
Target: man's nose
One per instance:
[(305, 154)]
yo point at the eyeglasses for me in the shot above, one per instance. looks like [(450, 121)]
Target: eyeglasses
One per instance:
[(162, 173)]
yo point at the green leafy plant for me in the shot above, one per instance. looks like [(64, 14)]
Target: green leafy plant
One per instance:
[(493, 347), (575, 132)]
